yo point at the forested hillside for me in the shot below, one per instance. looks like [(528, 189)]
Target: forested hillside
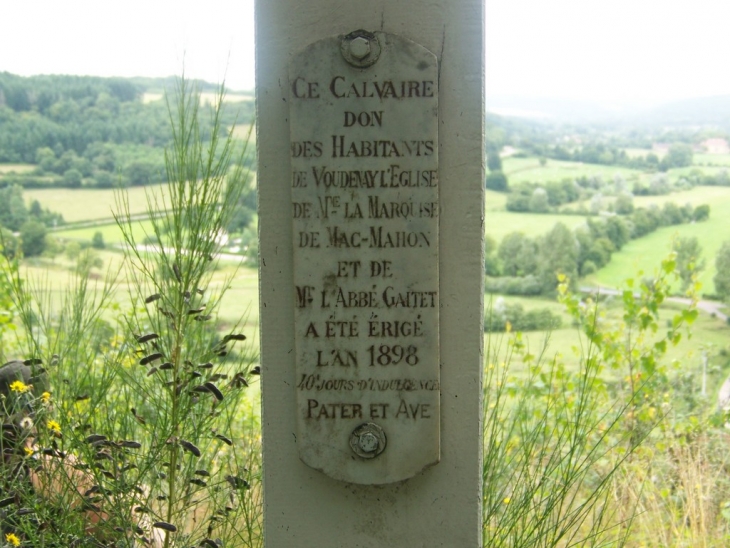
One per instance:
[(88, 131), (79, 132)]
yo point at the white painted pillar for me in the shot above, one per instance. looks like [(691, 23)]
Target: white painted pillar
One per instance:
[(440, 506)]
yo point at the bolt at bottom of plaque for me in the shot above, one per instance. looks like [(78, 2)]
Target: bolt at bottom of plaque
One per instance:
[(368, 440)]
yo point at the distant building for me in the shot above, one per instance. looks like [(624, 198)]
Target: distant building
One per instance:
[(716, 146)]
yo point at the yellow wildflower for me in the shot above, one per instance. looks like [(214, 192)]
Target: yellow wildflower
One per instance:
[(53, 426), (116, 341), (28, 451), (12, 539), (19, 386), (46, 397), (507, 500)]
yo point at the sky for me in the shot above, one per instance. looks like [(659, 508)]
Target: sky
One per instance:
[(211, 39), (605, 51)]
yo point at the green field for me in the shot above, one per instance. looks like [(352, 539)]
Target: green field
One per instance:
[(494, 201), (642, 152), (89, 204), (240, 303), (646, 253), (569, 344), (111, 232), (16, 168), (678, 172), (206, 97), (529, 170), (498, 224), (711, 160)]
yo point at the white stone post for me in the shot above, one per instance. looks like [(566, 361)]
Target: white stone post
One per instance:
[(371, 213)]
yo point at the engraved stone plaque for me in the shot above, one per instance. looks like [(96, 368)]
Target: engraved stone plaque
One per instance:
[(365, 203)]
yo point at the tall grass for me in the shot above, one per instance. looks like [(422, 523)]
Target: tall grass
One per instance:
[(146, 436), (552, 448)]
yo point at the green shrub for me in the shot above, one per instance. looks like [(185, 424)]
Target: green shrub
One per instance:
[(496, 180), (514, 285), (512, 317)]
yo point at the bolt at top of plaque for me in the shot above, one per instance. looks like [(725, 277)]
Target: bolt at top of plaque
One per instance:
[(360, 48)]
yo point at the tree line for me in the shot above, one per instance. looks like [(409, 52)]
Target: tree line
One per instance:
[(520, 265)]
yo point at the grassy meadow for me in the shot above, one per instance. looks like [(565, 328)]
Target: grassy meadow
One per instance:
[(16, 168), (110, 232), (644, 254), (79, 205), (500, 223), (529, 170), (207, 97), (712, 160)]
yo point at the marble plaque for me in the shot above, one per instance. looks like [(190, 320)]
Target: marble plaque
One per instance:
[(365, 205)]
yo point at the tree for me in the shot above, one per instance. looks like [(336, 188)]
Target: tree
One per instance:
[(688, 259), (45, 158), (517, 254), (13, 212), (539, 201), (104, 179), (645, 221), (597, 203), (8, 243), (624, 204), (496, 180), (491, 264), (32, 238), (722, 278), (72, 178), (73, 250), (35, 209), (97, 241), (87, 259), (52, 246), (659, 185), (618, 231), (518, 199), (558, 254), (141, 173), (701, 213), (678, 155)]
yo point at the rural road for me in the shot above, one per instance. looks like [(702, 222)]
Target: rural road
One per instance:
[(710, 307)]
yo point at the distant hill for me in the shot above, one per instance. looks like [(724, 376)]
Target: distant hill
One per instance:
[(705, 111), (554, 109), (699, 111)]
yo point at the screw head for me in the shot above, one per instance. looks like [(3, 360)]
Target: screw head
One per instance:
[(368, 442), (359, 47)]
